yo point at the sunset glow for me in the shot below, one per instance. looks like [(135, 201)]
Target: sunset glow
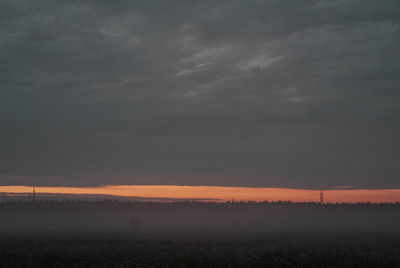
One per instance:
[(220, 193)]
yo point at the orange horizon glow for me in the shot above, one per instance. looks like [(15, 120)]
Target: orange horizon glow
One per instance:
[(222, 193)]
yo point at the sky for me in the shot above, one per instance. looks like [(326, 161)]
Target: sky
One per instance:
[(300, 94)]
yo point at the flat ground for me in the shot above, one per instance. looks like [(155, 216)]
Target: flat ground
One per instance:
[(190, 234), (202, 250)]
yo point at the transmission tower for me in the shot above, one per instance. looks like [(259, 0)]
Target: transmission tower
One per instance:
[(33, 194), (321, 197)]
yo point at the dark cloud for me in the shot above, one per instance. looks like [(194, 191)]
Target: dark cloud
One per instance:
[(245, 93)]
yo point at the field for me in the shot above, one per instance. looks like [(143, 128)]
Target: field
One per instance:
[(121, 234), (277, 251)]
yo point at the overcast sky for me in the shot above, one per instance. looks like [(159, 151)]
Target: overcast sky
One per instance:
[(283, 93)]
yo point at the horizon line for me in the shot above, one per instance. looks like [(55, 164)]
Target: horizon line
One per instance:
[(223, 193), (137, 199)]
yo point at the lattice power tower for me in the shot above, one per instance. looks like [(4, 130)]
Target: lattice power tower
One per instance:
[(321, 197), (34, 194)]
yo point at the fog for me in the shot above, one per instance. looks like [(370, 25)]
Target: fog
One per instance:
[(186, 218)]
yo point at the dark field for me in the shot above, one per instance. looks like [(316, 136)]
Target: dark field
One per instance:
[(190, 234), (275, 251)]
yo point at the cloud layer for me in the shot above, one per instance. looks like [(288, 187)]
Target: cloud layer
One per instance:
[(245, 93)]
